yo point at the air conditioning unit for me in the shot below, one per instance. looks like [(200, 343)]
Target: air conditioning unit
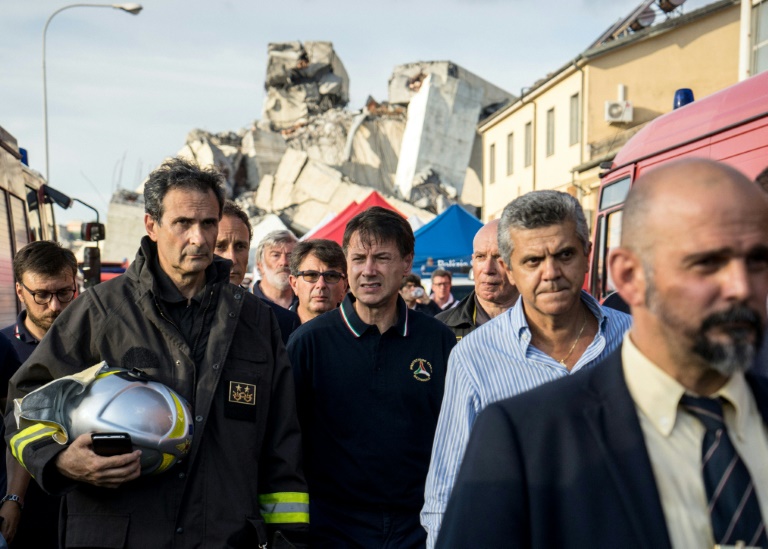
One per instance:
[(618, 111)]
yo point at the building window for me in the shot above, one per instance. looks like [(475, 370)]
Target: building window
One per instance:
[(510, 157), (575, 119), (492, 164), (528, 144), (551, 131)]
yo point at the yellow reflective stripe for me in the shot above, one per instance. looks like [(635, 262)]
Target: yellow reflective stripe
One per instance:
[(285, 518), (20, 440), (284, 497), (178, 428), (285, 507)]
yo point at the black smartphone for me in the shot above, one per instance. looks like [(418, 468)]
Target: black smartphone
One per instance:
[(111, 444)]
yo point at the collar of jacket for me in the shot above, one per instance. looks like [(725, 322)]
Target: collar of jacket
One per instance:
[(141, 270)]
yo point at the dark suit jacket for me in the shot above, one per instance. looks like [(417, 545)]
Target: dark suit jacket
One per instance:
[(564, 465)]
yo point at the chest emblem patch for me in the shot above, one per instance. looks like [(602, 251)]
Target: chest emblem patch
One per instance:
[(422, 370), (242, 393)]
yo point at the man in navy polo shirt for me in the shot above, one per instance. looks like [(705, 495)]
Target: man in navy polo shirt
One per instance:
[(369, 382)]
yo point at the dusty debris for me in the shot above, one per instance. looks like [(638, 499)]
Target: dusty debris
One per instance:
[(309, 156), (302, 80), (304, 190)]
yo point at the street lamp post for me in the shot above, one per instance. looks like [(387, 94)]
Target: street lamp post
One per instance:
[(133, 9)]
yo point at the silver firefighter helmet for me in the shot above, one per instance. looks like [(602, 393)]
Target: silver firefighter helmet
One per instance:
[(157, 418)]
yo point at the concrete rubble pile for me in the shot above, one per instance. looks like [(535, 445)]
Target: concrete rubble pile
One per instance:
[(445, 102), (305, 190), (309, 157), (302, 80)]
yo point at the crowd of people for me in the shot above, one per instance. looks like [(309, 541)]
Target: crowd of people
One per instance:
[(379, 415)]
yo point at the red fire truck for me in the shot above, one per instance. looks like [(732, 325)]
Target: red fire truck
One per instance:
[(730, 126)]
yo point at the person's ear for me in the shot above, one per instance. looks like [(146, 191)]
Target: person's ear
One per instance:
[(151, 226), (627, 275)]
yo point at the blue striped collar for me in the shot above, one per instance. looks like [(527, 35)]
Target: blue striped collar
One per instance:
[(357, 327)]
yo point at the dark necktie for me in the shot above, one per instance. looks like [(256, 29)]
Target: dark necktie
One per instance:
[(733, 506)]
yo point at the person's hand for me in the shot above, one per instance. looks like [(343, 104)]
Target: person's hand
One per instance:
[(10, 512), (79, 462)]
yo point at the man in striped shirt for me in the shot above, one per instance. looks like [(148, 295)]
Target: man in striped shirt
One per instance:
[(555, 329)]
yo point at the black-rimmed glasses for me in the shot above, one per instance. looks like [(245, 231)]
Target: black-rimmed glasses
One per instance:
[(330, 277), (43, 297)]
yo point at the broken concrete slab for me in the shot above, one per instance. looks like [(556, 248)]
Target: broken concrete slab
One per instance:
[(286, 175), (406, 81), (315, 181), (262, 152), (263, 197), (221, 151), (321, 54), (125, 222), (302, 80), (439, 134)]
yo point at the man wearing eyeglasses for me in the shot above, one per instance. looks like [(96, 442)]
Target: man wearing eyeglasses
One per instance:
[(318, 277), (45, 284)]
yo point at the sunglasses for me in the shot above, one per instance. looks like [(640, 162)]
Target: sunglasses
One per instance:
[(330, 277)]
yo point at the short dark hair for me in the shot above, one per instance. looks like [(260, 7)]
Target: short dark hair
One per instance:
[(177, 173), (441, 272), (45, 258), (327, 251), (232, 209), (377, 224), (412, 278)]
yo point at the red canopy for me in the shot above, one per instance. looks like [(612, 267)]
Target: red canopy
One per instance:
[(334, 229)]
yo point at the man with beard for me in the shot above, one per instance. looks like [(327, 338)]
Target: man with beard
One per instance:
[(554, 330), (665, 444), (45, 284), (273, 260), (494, 292)]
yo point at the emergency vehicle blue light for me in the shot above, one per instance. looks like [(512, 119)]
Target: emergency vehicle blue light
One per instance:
[(683, 96)]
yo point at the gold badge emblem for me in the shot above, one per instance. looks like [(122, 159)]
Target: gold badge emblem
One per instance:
[(242, 393), (184, 446), (422, 370)]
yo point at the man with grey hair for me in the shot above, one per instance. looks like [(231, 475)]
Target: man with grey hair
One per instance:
[(555, 329), (273, 260), (665, 443)]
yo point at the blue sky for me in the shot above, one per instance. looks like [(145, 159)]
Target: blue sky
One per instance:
[(123, 90)]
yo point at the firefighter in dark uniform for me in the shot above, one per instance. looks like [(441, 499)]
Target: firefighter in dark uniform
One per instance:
[(175, 315)]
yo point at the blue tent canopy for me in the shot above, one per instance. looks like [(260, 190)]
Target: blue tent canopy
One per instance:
[(446, 242)]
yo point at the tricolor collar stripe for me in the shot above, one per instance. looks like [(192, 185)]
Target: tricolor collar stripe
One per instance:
[(347, 322)]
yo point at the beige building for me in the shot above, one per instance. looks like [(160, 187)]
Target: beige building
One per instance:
[(557, 134)]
